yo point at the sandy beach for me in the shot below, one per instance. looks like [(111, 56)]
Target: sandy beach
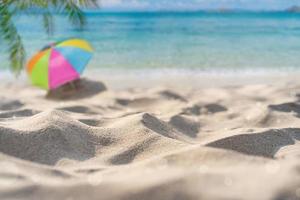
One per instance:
[(156, 142)]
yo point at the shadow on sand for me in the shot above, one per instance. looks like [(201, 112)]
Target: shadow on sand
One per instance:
[(79, 89), (288, 107), (264, 144)]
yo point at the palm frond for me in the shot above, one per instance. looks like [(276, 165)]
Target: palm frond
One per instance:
[(48, 23), (10, 34), (88, 4), (74, 13)]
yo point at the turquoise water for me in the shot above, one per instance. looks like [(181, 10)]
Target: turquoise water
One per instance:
[(196, 40)]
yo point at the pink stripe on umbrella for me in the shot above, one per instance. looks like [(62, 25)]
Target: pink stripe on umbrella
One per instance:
[(60, 70)]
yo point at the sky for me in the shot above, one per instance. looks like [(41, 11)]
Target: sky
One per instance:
[(196, 4)]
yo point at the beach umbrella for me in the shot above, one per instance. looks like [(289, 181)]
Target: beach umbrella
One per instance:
[(59, 63)]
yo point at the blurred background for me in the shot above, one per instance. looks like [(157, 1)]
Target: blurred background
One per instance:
[(260, 36)]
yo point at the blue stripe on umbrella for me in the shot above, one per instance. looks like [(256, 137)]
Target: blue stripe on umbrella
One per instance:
[(77, 57)]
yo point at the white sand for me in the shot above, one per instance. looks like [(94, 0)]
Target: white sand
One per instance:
[(237, 142)]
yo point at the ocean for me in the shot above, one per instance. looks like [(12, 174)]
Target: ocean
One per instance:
[(203, 41)]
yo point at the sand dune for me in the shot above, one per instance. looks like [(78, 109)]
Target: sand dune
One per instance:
[(237, 142)]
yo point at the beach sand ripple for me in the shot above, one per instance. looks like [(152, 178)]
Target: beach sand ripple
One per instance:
[(158, 143)]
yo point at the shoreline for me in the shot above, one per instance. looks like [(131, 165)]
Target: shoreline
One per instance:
[(147, 78)]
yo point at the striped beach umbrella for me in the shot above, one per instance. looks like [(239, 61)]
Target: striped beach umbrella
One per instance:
[(59, 63)]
